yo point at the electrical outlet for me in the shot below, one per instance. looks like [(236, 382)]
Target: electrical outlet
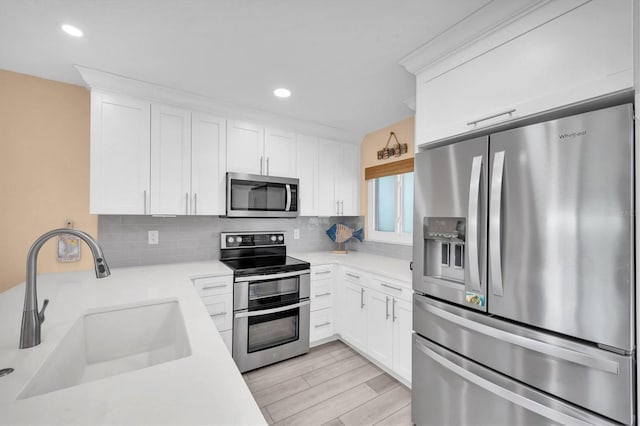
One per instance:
[(296, 234), (154, 237)]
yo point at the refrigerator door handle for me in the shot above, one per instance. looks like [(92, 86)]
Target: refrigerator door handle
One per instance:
[(495, 236), (472, 226), (524, 342), (496, 389)]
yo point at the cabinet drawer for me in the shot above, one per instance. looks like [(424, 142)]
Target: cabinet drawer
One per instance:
[(322, 272), (227, 337), (321, 294), (391, 287), (321, 323), (210, 286), (354, 276), (220, 308)]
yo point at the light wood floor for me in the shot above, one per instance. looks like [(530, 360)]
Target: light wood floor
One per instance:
[(331, 385)]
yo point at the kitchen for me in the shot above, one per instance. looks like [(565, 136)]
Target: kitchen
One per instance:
[(122, 195)]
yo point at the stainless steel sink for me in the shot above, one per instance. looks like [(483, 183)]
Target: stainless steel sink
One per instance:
[(113, 341)]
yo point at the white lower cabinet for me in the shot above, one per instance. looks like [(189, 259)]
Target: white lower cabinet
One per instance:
[(375, 317), (380, 327), (216, 293), (402, 326), (353, 322), (321, 324)]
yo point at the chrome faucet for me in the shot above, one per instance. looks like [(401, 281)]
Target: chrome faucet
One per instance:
[(31, 318)]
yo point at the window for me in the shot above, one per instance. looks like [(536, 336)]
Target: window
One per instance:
[(390, 210)]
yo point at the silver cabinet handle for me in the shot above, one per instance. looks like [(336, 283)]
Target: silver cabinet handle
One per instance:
[(186, 203), (472, 224), (495, 205), (342, 207), (349, 274), (489, 117), (214, 286), (501, 392), (386, 308), (393, 310), (219, 314), (195, 203), (267, 166), (362, 298), (392, 287), (145, 201), (261, 164), (322, 272), (524, 342), (324, 324), (324, 294), (271, 311)]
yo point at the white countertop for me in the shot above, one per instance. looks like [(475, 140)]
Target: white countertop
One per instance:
[(379, 265), (203, 388)]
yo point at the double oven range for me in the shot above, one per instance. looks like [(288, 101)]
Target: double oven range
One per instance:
[(270, 298)]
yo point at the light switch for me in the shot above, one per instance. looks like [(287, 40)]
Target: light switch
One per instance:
[(296, 234), (154, 237)]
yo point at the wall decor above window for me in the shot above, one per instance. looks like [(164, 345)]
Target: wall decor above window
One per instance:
[(395, 151)]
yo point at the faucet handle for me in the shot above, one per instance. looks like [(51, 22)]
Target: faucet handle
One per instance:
[(41, 313)]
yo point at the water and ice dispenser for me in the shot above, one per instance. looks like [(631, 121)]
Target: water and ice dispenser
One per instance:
[(444, 239)]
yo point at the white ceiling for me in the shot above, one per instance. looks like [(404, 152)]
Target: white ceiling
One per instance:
[(338, 57)]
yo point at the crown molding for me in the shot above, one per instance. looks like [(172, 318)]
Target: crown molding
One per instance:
[(114, 83), (490, 26)]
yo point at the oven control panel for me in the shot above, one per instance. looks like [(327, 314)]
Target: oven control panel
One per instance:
[(244, 239)]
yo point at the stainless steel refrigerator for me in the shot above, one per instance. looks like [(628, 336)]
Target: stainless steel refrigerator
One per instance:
[(524, 275)]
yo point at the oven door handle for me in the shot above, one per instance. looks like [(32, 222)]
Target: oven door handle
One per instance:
[(272, 276), (272, 311)]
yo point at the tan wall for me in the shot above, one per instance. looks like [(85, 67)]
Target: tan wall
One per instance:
[(44, 170), (375, 141)]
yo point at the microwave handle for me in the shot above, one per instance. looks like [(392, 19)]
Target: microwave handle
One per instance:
[(288, 206)]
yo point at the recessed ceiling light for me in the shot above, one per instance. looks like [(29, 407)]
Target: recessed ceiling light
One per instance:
[(71, 30), (281, 92)]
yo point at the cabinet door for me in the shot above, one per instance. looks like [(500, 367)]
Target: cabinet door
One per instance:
[(585, 53), (245, 148), (208, 164), (307, 153), (279, 153), (353, 327), (348, 180), (402, 326), (120, 144), (380, 327), (170, 160), (328, 156)]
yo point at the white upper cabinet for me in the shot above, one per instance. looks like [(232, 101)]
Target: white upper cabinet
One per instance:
[(280, 153), (120, 145), (582, 54), (155, 159), (208, 159), (307, 153), (170, 160), (256, 150), (338, 174), (245, 147), (348, 180)]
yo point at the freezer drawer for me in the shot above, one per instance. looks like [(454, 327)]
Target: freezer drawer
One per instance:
[(451, 390), (584, 375)]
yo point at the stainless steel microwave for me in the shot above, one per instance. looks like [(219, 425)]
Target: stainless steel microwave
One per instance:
[(261, 196)]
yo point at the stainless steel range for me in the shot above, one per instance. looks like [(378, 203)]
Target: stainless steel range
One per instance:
[(270, 298)]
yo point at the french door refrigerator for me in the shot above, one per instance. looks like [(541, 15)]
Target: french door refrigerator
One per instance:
[(524, 275)]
